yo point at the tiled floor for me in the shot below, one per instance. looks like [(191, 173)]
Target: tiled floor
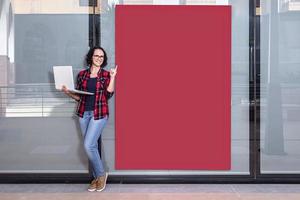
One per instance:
[(151, 192)]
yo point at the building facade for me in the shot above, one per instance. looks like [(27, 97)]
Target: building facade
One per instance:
[(39, 134)]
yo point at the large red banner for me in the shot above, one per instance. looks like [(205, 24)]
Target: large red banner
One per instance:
[(173, 89)]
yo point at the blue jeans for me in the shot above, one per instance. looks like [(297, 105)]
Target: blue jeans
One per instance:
[(91, 131)]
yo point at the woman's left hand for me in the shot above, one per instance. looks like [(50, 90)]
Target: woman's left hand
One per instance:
[(113, 72)]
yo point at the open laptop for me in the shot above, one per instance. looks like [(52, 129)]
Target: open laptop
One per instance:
[(63, 75)]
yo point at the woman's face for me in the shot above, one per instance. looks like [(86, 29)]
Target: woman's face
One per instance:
[(98, 57)]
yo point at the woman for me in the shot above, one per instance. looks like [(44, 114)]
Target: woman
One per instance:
[(93, 109)]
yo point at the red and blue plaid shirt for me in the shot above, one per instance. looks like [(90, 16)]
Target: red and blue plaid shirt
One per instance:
[(101, 95)]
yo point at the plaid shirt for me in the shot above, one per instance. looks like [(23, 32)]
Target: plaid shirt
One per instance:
[(101, 96)]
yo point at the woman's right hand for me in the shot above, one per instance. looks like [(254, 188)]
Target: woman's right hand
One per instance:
[(70, 94), (65, 89)]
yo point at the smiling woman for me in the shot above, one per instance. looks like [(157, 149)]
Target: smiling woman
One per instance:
[(93, 109)]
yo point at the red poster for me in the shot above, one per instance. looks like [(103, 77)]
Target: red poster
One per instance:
[(173, 90)]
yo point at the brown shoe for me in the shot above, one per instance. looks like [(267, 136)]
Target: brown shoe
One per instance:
[(101, 182), (93, 185)]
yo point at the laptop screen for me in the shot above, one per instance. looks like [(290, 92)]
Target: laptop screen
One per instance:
[(63, 75)]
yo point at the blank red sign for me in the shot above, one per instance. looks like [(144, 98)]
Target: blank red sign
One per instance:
[(173, 88)]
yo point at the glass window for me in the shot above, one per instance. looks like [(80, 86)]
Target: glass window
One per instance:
[(280, 86), (240, 86), (38, 131)]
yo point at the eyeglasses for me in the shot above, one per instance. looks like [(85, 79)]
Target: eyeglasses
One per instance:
[(97, 56)]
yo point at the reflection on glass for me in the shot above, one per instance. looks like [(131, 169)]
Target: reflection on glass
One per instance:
[(137, 2), (289, 5), (51, 6), (280, 87), (36, 126), (38, 34)]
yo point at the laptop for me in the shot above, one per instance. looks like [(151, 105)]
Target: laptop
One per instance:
[(63, 75)]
